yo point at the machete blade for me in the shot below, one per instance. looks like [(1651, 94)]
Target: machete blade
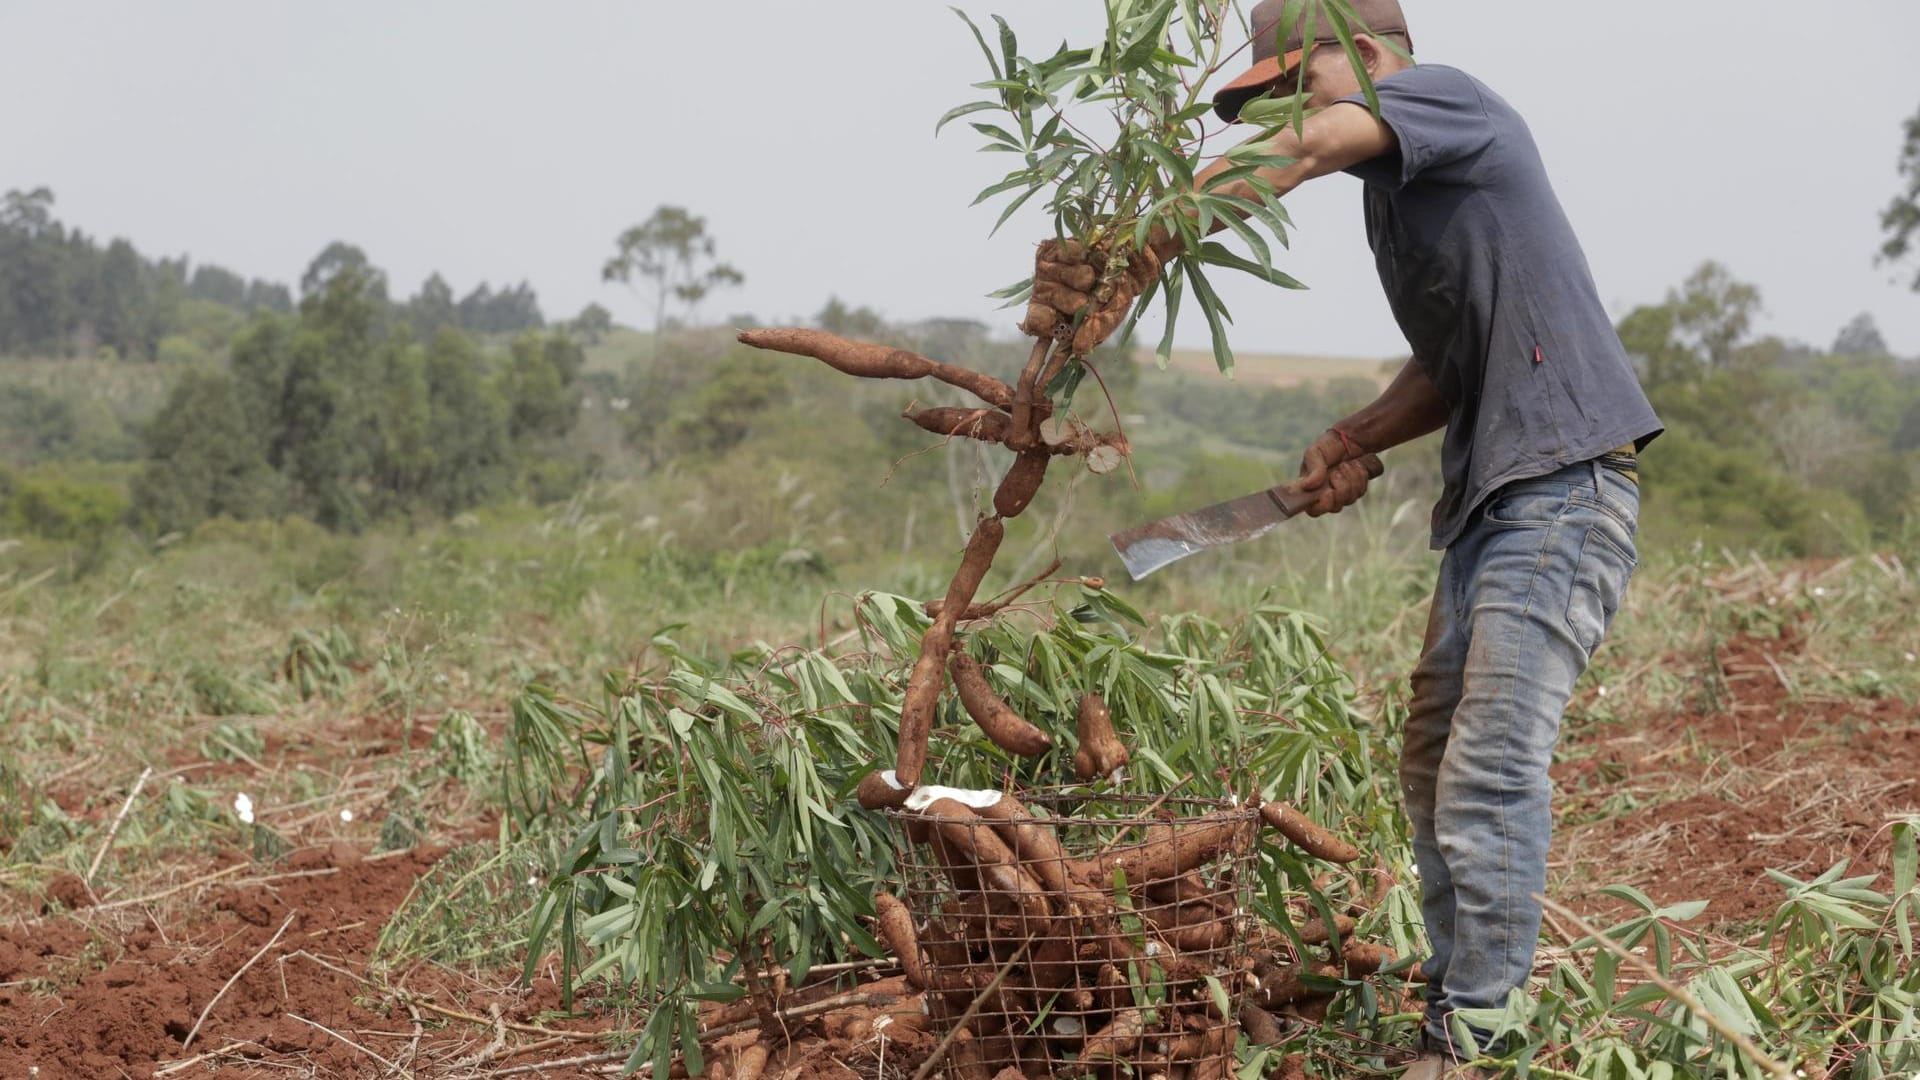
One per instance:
[(1162, 543)]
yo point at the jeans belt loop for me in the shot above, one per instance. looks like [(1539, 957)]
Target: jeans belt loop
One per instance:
[(1598, 488)]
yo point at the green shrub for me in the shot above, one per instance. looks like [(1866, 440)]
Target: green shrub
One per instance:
[(56, 505)]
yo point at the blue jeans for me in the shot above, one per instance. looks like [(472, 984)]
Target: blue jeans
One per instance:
[(1525, 596)]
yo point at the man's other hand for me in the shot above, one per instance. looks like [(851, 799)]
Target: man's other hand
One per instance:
[(1338, 470)]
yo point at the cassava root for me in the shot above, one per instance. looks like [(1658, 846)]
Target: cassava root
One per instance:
[(868, 361), (1004, 726), (1307, 834), (1101, 752)]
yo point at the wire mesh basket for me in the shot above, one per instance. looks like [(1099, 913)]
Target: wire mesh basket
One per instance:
[(1068, 934)]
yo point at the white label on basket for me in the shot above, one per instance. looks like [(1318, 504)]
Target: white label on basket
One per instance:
[(927, 796)]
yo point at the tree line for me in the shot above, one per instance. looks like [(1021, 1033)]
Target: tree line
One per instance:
[(63, 293), (336, 412)]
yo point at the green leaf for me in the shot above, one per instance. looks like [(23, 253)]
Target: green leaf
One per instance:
[(1344, 32), (1217, 316), (1174, 290), (1022, 288), (1009, 46), (1280, 114), (1017, 180), (1261, 253), (981, 38), (1682, 912), (1140, 307), (1631, 895), (1013, 207), (964, 110), (1196, 32), (998, 134), (1180, 169), (1906, 856), (1217, 255)]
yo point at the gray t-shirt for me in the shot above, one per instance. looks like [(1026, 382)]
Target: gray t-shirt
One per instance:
[(1492, 290)]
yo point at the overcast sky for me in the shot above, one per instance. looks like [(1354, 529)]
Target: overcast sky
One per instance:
[(508, 140)]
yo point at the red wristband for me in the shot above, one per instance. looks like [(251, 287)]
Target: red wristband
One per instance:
[(1354, 449)]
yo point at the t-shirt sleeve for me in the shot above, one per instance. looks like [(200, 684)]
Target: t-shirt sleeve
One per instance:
[(1437, 116)]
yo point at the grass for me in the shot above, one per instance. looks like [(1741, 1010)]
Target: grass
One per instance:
[(320, 673)]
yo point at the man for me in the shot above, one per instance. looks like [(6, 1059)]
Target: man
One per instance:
[(1515, 357)]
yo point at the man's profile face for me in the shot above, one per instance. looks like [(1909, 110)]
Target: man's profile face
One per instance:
[(1328, 73)]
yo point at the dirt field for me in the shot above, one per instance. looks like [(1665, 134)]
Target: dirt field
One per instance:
[(1699, 807)]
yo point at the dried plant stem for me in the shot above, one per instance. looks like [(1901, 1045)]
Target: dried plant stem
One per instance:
[(568, 1063), (252, 960), (391, 1067), (203, 879), (798, 1012), (113, 830), (188, 1063)]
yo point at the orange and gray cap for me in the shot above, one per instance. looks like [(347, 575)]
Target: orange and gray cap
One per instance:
[(1272, 63)]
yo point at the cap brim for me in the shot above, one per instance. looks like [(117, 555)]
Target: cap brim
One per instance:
[(1259, 79)]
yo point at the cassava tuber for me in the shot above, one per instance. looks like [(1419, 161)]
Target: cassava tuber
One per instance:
[(1004, 726), (897, 934), (1101, 752), (1307, 834)]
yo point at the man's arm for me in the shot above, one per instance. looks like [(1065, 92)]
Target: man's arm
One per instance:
[(1408, 408), (1332, 140), (1329, 141)]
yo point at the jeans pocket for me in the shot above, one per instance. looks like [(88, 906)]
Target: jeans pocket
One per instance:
[(1599, 582), (1524, 507)]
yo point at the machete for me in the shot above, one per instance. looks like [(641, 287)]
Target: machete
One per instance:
[(1165, 542)]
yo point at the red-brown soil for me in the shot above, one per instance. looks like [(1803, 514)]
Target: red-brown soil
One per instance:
[(1697, 806)]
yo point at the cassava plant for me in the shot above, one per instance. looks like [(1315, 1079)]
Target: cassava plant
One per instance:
[(720, 854), (1131, 200), (1131, 220)]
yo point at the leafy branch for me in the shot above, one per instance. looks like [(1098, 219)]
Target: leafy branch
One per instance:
[(1117, 193)]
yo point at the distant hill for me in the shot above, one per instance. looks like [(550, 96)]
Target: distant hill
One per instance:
[(1282, 369)]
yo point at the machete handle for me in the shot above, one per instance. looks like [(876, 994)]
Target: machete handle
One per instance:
[(1294, 499)]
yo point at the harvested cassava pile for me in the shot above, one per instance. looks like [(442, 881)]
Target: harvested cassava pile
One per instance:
[(1060, 926)]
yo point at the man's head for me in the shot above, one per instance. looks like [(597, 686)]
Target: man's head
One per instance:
[(1282, 59)]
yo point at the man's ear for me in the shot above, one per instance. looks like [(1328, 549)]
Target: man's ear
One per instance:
[(1372, 53)]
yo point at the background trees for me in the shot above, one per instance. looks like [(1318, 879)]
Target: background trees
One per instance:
[(671, 255)]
